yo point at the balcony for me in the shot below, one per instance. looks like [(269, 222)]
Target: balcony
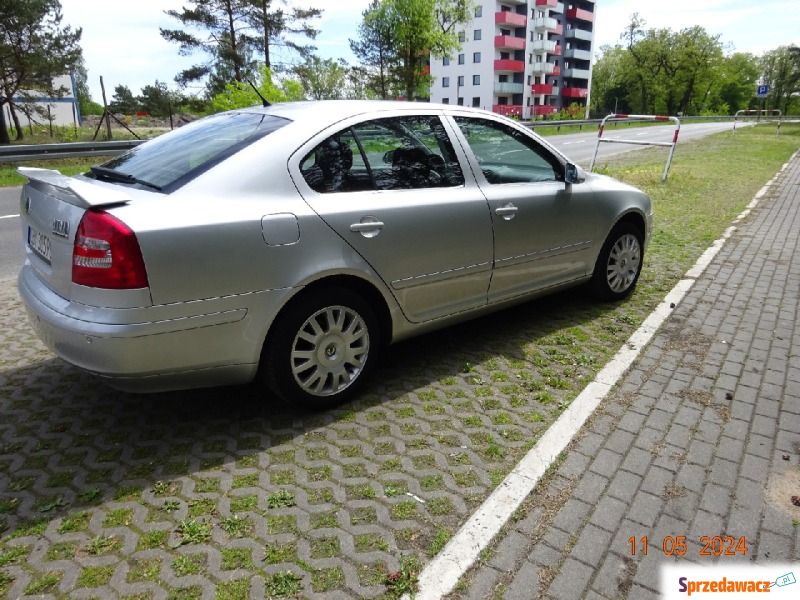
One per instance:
[(508, 109), (508, 88), (509, 18), (571, 92), (543, 46), (542, 88), (515, 66), (553, 5), (556, 70), (539, 110), (579, 34), (576, 73), (543, 68), (545, 24), (508, 41), (580, 14), (578, 54)]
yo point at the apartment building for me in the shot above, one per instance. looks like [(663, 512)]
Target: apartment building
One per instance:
[(527, 58)]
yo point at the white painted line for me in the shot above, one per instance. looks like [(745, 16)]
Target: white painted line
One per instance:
[(9, 216), (441, 575)]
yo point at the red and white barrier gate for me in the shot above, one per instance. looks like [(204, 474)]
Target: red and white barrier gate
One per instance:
[(671, 144), (758, 113)]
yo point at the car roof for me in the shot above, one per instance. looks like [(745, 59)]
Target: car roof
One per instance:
[(331, 111)]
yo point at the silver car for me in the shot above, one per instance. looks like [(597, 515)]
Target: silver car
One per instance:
[(289, 244)]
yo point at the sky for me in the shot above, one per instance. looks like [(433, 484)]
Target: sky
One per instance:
[(123, 44)]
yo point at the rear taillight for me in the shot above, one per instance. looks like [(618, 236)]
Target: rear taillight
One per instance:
[(106, 254)]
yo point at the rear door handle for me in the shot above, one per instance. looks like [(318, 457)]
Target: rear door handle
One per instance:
[(507, 211), (368, 227)]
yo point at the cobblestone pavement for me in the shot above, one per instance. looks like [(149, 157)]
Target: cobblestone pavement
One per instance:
[(218, 494), (701, 438)]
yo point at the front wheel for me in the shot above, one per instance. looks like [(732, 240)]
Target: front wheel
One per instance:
[(322, 348), (619, 263)]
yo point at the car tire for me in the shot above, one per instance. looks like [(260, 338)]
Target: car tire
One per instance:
[(322, 348), (619, 263)]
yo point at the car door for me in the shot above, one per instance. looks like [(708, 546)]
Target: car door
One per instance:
[(544, 229), (394, 189)]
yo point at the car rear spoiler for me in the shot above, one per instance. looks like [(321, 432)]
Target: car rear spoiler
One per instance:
[(79, 192)]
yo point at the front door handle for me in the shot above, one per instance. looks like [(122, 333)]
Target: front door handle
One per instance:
[(368, 227), (508, 211)]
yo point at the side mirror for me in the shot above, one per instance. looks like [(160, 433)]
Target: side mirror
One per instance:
[(572, 174), (388, 157)]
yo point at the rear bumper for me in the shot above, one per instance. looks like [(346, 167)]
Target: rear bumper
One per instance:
[(203, 343)]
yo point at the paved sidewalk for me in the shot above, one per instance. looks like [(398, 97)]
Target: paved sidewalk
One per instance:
[(700, 438)]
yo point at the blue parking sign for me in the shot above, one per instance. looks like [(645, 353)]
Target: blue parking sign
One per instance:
[(762, 92)]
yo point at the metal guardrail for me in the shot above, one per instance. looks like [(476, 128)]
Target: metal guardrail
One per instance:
[(19, 153)]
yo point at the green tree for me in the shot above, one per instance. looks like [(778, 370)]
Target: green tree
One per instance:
[(123, 101), (156, 100), (281, 26), (375, 50), (322, 79), (737, 81), (611, 81), (34, 48), (422, 28), (781, 72), (240, 95), (221, 38)]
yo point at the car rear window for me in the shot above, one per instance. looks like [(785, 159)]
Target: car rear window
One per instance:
[(177, 157)]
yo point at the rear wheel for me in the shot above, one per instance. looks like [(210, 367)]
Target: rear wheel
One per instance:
[(322, 348), (619, 263)]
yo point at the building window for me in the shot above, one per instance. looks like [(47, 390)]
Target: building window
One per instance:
[(476, 80), (445, 61), (476, 101), (461, 81), (461, 102), (502, 78), (476, 57), (476, 35), (445, 100), (461, 59), (445, 82), (479, 11), (461, 36)]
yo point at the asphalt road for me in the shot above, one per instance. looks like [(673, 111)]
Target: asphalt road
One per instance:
[(11, 249), (580, 146), (577, 146)]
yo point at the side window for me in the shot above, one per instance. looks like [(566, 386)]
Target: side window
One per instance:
[(507, 155), (384, 154), (409, 152), (334, 164)]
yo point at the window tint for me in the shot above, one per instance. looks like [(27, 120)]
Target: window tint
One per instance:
[(384, 154), (175, 158), (507, 155)]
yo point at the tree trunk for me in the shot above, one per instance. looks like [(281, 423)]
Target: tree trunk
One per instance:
[(4, 139), (17, 125)]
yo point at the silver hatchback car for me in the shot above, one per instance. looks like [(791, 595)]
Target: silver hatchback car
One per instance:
[(291, 243)]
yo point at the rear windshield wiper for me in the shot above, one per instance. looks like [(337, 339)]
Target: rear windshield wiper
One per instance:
[(114, 175)]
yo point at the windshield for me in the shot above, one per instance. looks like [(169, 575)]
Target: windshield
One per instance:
[(172, 160)]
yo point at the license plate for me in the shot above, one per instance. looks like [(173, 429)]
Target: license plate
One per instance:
[(40, 244)]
